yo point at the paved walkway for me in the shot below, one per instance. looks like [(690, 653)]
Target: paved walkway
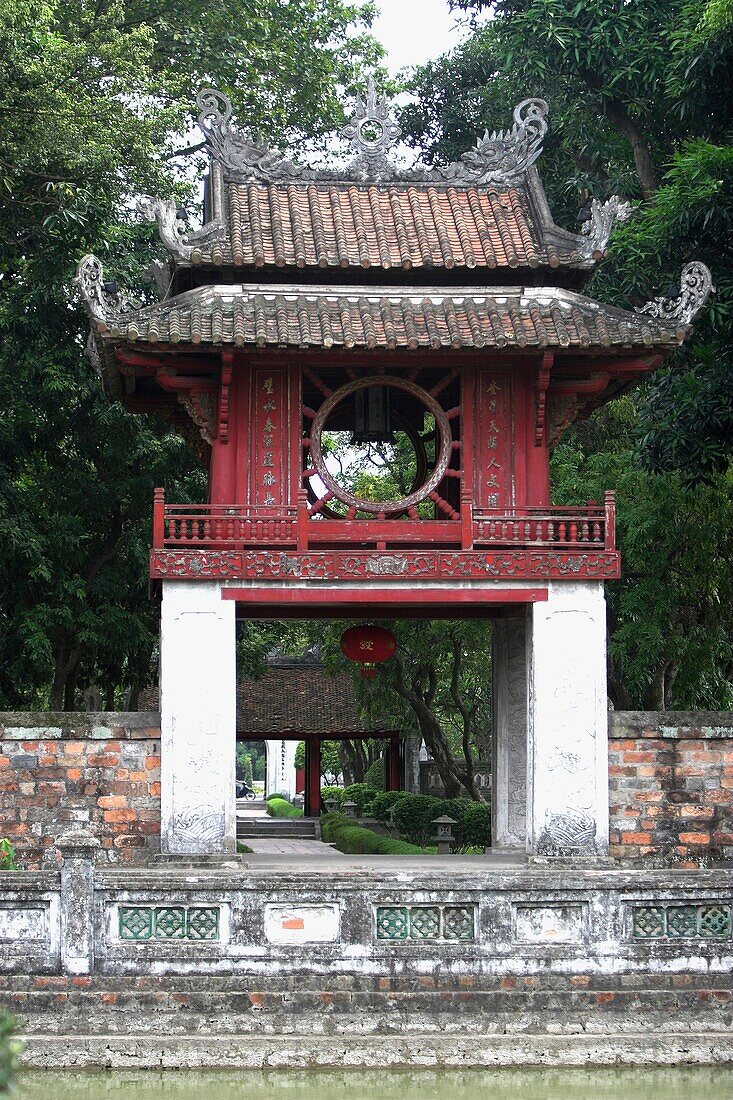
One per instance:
[(291, 847)]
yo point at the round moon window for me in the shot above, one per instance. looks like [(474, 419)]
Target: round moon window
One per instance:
[(348, 479)]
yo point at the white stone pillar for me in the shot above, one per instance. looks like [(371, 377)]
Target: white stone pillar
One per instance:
[(198, 719), (567, 773), (509, 735), (280, 767)]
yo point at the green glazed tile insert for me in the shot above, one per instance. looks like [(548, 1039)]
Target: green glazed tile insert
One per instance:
[(400, 923), (193, 923), (674, 922)]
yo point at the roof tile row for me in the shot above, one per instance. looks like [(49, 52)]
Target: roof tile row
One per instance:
[(226, 315)]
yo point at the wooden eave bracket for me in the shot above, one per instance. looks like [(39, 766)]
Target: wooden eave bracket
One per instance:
[(543, 382)]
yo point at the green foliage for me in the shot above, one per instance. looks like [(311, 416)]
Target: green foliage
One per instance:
[(280, 807), (413, 817), (10, 1048), (334, 792), (414, 814), (356, 840), (93, 100), (671, 616), (330, 759), (7, 856), (374, 777), (383, 803), (362, 794)]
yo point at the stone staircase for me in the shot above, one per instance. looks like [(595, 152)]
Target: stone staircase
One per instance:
[(351, 1020), (301, 828)]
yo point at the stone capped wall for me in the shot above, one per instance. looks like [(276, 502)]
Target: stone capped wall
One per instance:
[(64, 770), (671, 785)]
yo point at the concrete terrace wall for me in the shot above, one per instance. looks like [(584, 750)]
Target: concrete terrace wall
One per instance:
[(671, 785), (99, 771)]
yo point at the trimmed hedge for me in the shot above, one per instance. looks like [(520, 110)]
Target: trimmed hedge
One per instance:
[(280, 807), (356, 840), (383, 802), (414, 814), (374, 775)]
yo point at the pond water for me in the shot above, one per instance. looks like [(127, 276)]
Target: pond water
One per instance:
[(534, 1084)]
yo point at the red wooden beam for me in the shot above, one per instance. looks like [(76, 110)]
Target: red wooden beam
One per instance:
[(397, 597)]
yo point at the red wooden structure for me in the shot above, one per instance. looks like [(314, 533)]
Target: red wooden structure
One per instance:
[(439, 305), (432, 319)]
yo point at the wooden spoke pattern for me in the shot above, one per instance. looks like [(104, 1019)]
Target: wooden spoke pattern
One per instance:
[(437, 480)]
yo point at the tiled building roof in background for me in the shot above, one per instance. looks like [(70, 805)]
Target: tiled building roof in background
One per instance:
[(295, 695)]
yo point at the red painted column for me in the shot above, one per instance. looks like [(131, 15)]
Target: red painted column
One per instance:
[(312, 806), (393, 765)]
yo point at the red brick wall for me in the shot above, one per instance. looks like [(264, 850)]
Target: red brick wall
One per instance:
[(97, 771), (671, 786)]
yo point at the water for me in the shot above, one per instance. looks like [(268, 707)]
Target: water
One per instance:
[(534, 1084)]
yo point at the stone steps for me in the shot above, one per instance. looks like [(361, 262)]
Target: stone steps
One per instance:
[(303, 1050), (303, 828), (170, 1010)]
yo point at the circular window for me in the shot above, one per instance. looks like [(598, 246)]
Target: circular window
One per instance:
[(403, 448), (371, 131)]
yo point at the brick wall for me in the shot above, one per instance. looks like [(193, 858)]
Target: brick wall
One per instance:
[(100, 771), (671, 786)]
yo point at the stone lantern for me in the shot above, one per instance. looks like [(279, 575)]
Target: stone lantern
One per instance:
[(330, 804), (444, 833), (349, 809)]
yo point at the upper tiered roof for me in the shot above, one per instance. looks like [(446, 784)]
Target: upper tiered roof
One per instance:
[(486, 214)]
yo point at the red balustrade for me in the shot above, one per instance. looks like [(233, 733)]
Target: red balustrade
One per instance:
[(211, 527)]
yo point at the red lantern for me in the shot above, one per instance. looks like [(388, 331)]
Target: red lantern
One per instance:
[(369, 646)]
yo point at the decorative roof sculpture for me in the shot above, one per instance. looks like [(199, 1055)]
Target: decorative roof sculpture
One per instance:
[(486, 211)]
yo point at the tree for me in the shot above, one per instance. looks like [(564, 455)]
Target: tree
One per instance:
[(93, 100), (438, 685), (640, 97)]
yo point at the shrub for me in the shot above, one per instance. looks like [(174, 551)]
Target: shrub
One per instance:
[(413, 817), (280, 807), (356, 840), (7, 856), (334, 792), (474, 825), (383, 802), (362, 795), (9, 1050), (374, 778)]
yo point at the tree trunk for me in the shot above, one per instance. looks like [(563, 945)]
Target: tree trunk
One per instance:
[(617, 113)]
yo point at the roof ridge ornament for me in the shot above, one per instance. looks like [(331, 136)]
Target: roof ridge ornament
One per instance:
[(171, 227), (244, 151), (372, 132), (500, 157), (696, 286), (596, 232), (103, 299)]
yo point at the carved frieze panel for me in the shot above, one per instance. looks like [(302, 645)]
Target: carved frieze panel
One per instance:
[(278, 565)]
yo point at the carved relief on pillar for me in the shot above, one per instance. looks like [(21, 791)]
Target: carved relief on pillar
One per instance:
[(516, 686)]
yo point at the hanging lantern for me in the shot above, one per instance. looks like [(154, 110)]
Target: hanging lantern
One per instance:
[(368, 646)]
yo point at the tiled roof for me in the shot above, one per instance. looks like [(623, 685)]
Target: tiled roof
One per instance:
[(396, 226), (300, 698), (294, 695), (388, 318)]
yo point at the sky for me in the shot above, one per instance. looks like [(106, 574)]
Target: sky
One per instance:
[(413, 31)]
